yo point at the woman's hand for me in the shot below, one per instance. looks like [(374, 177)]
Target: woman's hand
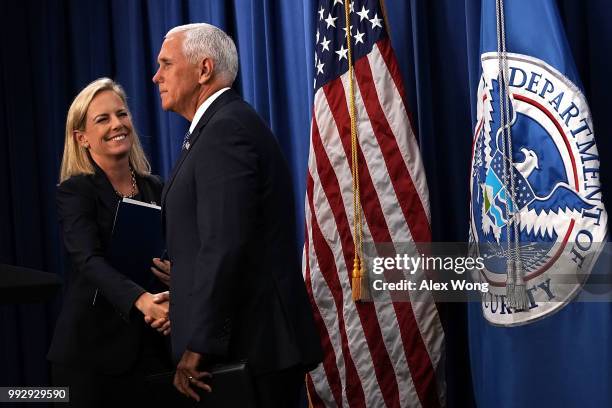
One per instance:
[(161, 269)]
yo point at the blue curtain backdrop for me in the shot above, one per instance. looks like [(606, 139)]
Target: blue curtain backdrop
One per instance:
[(51, 49)]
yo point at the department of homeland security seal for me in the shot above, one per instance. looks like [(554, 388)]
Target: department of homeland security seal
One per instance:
[(557, 195)]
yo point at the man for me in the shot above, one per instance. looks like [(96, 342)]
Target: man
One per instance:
[(237, 292)]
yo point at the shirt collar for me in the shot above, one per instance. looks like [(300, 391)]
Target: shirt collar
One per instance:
[(202, 108)]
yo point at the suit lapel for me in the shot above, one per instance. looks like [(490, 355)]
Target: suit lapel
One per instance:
[(175, 169), (106, 191), (222, 100)]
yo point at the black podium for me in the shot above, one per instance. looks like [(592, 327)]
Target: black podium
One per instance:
[(24, 285)]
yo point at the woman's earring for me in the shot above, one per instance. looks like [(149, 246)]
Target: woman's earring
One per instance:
[(86, 145)]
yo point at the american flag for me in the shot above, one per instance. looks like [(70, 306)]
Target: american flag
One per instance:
[(384, 353)]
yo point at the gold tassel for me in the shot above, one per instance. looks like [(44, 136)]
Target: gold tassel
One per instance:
[(361, 283), (356, 279), (365, 284), (360, 290)]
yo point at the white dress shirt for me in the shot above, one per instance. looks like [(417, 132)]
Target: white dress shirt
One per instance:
[(202, 108)]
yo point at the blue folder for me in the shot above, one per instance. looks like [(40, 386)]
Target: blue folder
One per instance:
[(137, 239)]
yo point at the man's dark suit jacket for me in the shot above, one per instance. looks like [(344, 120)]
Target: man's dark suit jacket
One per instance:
[(236, 286), (98, 327)]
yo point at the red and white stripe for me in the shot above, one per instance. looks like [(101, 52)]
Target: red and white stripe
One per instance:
[(376, 354)]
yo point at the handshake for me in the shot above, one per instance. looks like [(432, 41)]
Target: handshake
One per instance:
[(154, 307)]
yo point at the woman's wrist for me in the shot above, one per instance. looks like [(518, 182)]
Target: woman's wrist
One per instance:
[(142, 301)]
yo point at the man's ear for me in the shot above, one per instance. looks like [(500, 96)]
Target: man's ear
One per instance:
[(207, 66), (80, 138)]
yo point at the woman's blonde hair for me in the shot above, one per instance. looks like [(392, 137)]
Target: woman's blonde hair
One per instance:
[(76, 159)]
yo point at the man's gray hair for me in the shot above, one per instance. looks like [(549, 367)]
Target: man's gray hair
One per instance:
[(203, 40)]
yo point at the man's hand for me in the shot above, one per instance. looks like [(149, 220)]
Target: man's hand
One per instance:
[(161, 325), (187, 374), (161, 269)]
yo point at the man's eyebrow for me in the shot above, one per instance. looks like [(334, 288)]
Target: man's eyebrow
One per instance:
[(165, 59)]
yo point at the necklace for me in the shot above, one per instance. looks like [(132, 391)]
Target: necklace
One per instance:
[(132, 193)]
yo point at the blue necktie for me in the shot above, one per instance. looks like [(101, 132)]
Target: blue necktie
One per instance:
[(186, 143)]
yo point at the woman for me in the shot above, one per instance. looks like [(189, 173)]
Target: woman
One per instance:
[(102, 349)]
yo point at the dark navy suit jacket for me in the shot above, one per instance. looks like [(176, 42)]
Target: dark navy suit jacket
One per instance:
[(98, 326), (236, 287)]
